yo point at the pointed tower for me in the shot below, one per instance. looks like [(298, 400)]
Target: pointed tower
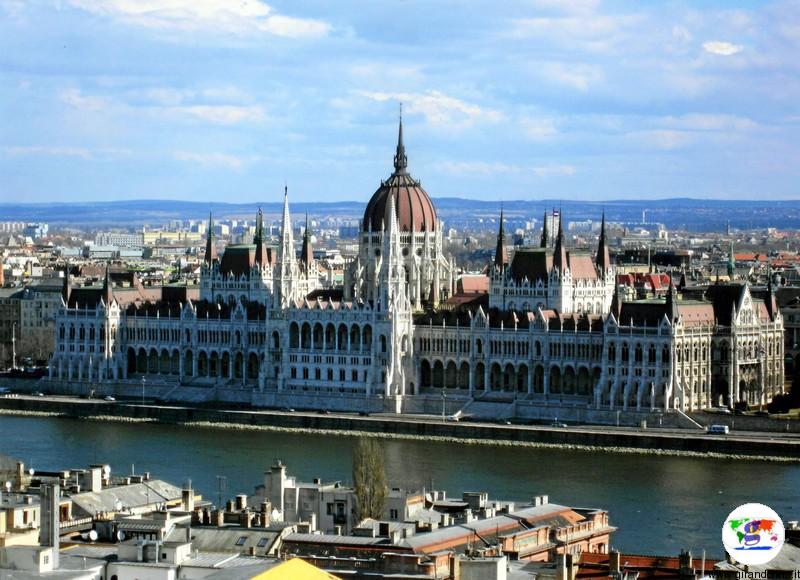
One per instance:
[(560, 252), (66, 289), (616, 304), (391, 279), (500, 253), (258, 240), (287, 256), (731, 263), (108, 288), (2, 274), (211, 248), (772, 305), (603, 258), (307, 252), (672, 301), (545, 241), (400, 159)]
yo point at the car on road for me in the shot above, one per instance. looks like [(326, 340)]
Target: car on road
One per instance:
[(723, 410), (38, 394), (559, 424), (109, 398), (718, 430)]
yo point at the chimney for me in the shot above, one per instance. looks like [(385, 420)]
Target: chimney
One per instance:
[(613, 562), (565, 567), (49, 523), (220, 521), (187, 498), (246, 519), (686, 564), (251, 550), (241, 502), (317, 481), (20, 474), (229, 505)]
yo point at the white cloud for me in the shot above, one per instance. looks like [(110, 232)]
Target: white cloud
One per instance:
[(721, 48), (704, 122), (436, 107), (230, 16), (666, 139), (497, 167), (75, 98), (211, 160), (577, 76), (554, 170), (477, 167), (173, 103), (221, 114), (537, 128), (101, 153), (49, 151)]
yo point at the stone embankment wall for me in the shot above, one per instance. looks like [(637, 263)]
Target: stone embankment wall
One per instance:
[(595, 438)]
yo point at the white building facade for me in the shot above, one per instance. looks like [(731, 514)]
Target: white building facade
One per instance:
[(553, 332)]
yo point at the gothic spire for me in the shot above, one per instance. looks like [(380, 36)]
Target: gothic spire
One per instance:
[(287, 240), (500, 253), (545, 236), (616, 303), (400, 159), (307, 252), (603, 258), (66, 289), (560, 252), (772, 306), (672, 301), (258, 240), (108, 287), (211, 248), (731, 263)]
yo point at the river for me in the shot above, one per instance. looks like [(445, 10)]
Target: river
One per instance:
[(660, 504)]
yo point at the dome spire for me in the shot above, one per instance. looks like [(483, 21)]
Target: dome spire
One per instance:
[(400, 159)]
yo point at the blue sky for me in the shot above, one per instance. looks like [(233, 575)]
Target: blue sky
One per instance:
[(226, 99)]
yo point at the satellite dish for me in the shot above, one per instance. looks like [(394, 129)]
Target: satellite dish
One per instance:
[(118, 506), (120, 536), (106, 469), (90, 536), (31, 471)]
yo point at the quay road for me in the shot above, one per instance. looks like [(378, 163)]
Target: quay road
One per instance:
[(651, 439)]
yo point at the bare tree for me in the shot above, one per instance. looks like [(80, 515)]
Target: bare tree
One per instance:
[(369, 479)]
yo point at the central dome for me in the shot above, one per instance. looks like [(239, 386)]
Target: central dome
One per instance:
[(415, 211)]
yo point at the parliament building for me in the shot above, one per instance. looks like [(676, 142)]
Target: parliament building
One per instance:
[(554, 339)]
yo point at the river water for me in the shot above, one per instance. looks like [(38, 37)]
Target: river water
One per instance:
[(660, 504)]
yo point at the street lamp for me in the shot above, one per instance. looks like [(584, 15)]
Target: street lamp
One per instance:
[(14, 346), (143, 380), (444, 398)]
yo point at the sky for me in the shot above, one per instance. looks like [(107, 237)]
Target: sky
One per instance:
[(228, 100)]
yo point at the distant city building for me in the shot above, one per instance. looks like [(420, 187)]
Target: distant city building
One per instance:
[(125, 240)]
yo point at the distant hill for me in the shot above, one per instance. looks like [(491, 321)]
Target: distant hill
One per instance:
[(685, 213)]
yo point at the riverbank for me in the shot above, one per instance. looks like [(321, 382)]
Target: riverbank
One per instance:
[(605, 440)]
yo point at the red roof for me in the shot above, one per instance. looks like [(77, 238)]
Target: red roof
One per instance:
[(596, 565), (469, 284)]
